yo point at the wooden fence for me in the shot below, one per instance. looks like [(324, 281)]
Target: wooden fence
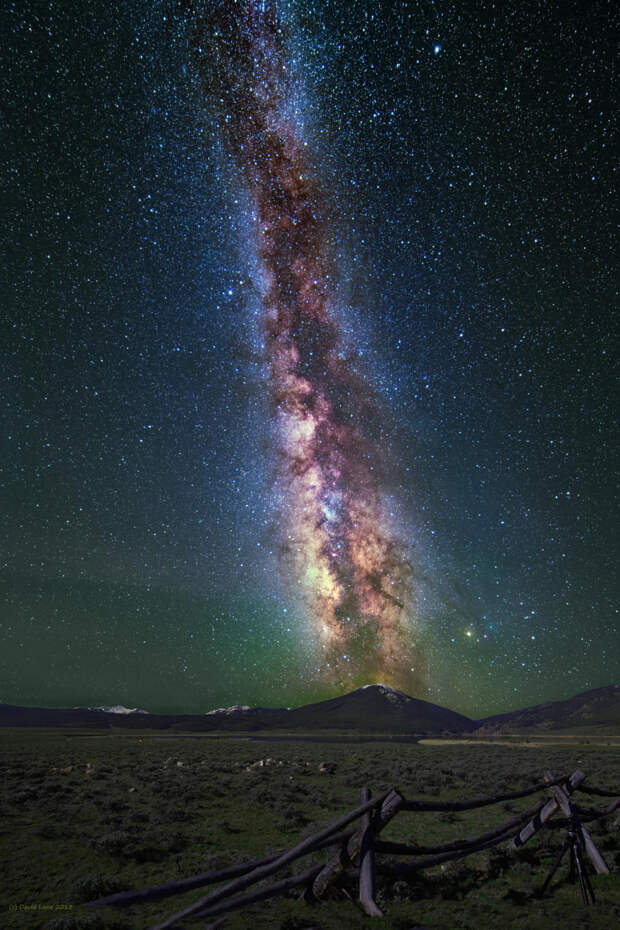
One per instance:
[(357, 849)]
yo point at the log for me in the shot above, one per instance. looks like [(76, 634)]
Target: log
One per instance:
[(405, 849), (418, 805), (412, 849), (264, 871), (568, 810), (181, 885), (367, 884), (216, 924), (261, 894), (406, 868), (593, 813), (334, 868), (548, 810), (602, 792)]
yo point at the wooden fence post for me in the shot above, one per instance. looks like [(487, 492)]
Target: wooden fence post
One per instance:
[(550, 808), (336, 865), (367, 885), (567, 809)]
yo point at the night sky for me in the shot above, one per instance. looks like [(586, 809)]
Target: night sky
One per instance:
[(308, 361)]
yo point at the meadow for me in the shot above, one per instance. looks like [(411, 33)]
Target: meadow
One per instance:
[(89, 813)]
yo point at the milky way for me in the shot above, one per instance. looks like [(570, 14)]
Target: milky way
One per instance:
[(339, 542), (393, 225)]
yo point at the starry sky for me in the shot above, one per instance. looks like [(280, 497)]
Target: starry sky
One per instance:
[(308, 363)]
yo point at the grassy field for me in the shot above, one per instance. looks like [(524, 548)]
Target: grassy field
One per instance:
[(85, 814)]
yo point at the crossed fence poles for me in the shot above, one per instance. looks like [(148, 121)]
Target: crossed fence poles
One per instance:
[(356, 851)]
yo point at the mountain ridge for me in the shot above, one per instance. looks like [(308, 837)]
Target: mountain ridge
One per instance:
[(598, 706), (371, 708)]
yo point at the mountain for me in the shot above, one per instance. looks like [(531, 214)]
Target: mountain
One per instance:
[(119, 709), (599, 707), (373, 708), (115, 709), (244, 710), (377, 707)]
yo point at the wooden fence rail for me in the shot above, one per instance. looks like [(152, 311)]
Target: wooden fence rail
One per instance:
[(180, 886), (356, 851), (419, 805), (601, 792)]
